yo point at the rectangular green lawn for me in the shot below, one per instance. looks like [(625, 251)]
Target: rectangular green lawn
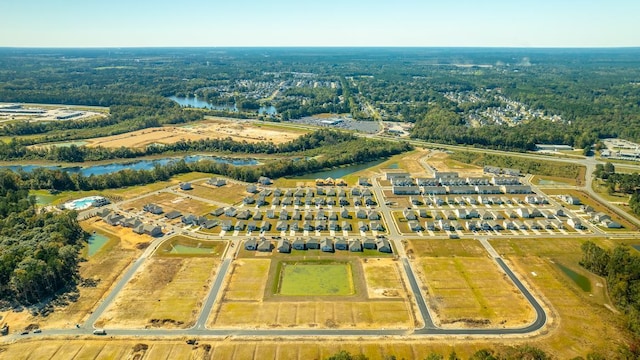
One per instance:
[(311, 279)]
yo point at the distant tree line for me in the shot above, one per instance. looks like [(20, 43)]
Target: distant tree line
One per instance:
[(14, 150), (342, 150)]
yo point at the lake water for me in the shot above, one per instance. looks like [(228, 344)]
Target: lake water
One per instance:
[(96, 242), (197, 103), (134, 165), (340, 172), (582, 281)]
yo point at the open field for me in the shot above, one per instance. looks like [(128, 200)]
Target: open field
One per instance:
[(213, 128), (576, 322), (248, 280), (166, 293), (563, 255), (552, 181), (312, 279), (383, 279), (445, 248), (324, 314), (407, 161), (186, 246), (169, 202), (465, 287), (472, 291), (134, 191), (233, 349), (231, 193)]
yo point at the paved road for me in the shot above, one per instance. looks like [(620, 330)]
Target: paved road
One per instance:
[(201, 323), (415, 288)]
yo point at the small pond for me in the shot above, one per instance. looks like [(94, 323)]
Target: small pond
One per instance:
[(582, 281), (96, 242), (197, 103), (134, 165)]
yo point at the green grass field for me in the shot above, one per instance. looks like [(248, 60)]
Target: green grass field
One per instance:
[(186, 246), (312, 279)]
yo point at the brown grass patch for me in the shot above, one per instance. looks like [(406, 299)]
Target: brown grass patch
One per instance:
[(167, 292), (473, 292), (215, 128), (383, 279)]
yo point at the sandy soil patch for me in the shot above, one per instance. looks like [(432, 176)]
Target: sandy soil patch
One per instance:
[(383, 279), (167, 292), (473, 292), (170, 202), (212, 129)]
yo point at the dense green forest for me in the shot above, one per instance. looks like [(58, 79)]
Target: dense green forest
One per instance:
[(38, 250), (499, 98), (621, 269)]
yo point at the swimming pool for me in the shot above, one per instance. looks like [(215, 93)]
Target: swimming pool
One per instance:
[(81, 204)]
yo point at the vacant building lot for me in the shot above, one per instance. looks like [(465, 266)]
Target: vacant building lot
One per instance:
[(231, 193), (277, 293), (315, 279), (170, 202), (248, 280), (383, 279), (184, 246), (166, 293), (211, 129), (468, 289), (581, 319)]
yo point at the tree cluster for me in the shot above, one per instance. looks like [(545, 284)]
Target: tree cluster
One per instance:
[(621, 269), (38, 251)]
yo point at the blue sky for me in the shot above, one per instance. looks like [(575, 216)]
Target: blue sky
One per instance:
[(123, 23)]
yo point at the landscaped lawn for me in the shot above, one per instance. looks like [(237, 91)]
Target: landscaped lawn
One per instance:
[(312, 279)]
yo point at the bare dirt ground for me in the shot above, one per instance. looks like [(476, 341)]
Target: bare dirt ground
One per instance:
[(383, 279), (170, 202), (215, 128), (166, 294)]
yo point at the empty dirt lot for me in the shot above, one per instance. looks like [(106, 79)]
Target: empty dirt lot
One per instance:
[(166, 293), (215, 128)]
